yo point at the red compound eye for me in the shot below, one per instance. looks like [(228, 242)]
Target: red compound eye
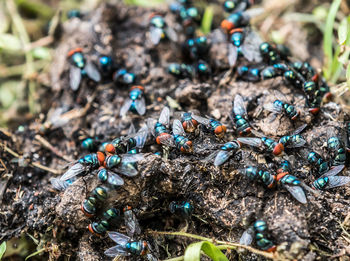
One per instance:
[(110, 148), (279, 148), (227, 25), (76, 50)]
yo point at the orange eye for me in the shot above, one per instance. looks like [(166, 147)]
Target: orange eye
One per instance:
[(195, 123), (240, 30), (76, 50), (184, 125), (227, 25), (218, 130), (110, 148), (101, 157), (279, 148), (281, 175), (314, 110)]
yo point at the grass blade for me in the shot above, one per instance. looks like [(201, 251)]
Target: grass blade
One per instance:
[(193, 252), (2, 249), (207, 20), (327, 39)]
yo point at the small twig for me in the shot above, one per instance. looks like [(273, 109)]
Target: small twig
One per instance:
[(224, 243), (49, 146), (18, 70), (33, 164), (47, 40)]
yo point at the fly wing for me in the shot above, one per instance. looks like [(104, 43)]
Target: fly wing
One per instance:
[(250, 47), (171, 34), (164, 117), (74, 78), (140, 106), (239, 106), (119, 238), (150, 125), (114, 179), (177, 128), (131, 223), (255, 142), (127, 169), (155, 35), (117, 251), (132, 129), (272, 108), (59, 184), (337, 181), (232, 55), (299, 129), (167, 140), (92, 72), (141, 137), (130, 158), (297, 192), (222, 157), (247, 237), (200, 119), (125, 108), (73, 171), (334, 171), (211, 156)]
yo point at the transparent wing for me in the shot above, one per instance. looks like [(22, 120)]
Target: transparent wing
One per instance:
[(73, 171), (119, 238), (297, 192), (141, 137), (130, 158), (211, 156), (117, 251), (125, 108), (256, 133), (239, 106), (200, 119), (171, 34), (59, 184), (150, 125), (299, 129), (272, 108), (131, 130), (247, 237), (140, 106), (127, 169), (114, 179), (132, 224), (250, 48), (92, 72), (222, 157), (337, 181), (164, 117), (232, 55), (167, 140), (155, 35), (177, 128), (333, 171), (256, 142), (74, 77)]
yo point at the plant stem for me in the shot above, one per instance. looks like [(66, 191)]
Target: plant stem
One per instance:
[(222, 244)]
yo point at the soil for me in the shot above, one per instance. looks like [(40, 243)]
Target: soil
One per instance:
[(225, 202)]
